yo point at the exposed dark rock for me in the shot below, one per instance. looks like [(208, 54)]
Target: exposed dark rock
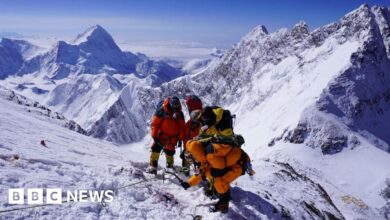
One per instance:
[(334, 145)]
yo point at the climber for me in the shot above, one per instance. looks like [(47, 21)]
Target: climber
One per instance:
[(167, 128), (192, 127), (43, 143), (219, 155)]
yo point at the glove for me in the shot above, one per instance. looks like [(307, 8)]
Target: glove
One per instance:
[(185, 185)]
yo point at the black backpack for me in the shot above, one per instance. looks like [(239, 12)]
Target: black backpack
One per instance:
[(159, 109), (226, 122)]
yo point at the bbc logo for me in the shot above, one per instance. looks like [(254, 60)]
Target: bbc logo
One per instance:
[(34, 196), (54, 196)]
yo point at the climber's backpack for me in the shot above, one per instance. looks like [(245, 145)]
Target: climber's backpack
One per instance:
[(159, 109), (226, 121)]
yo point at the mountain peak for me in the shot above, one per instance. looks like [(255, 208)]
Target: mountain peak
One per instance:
[(364, 6), (261, 28), (300, 29), (94, 33), (257, 33), (361, 10)]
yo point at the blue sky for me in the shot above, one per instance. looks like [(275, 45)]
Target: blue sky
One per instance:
[(212, 22)]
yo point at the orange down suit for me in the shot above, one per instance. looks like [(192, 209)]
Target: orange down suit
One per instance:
[(220, 163), (168, 127), (220, 167)]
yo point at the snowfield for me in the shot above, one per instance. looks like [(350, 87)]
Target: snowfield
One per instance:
[(292, 181), (73, 161)]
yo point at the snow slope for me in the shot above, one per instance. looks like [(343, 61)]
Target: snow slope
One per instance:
[(283, 188), (73, 161), (37, 108)]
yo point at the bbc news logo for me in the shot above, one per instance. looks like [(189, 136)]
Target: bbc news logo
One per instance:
[(54, 196)]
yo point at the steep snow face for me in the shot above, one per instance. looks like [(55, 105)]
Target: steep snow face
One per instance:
[(10, 59), (26, 49), (13, 53), (95, 52), (123, 122), (85, 98), (359, 96), (106, 106), (382, 18)]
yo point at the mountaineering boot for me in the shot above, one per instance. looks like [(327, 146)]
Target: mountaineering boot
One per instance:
[(185, 165), (169, 159), (210, 193), (223, 203), (152, 168), (222, 207), (185, 171)]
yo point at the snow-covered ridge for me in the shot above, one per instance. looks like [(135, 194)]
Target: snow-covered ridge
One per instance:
[(34, 108)]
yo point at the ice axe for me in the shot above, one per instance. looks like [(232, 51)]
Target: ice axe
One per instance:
[(173, 174)]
